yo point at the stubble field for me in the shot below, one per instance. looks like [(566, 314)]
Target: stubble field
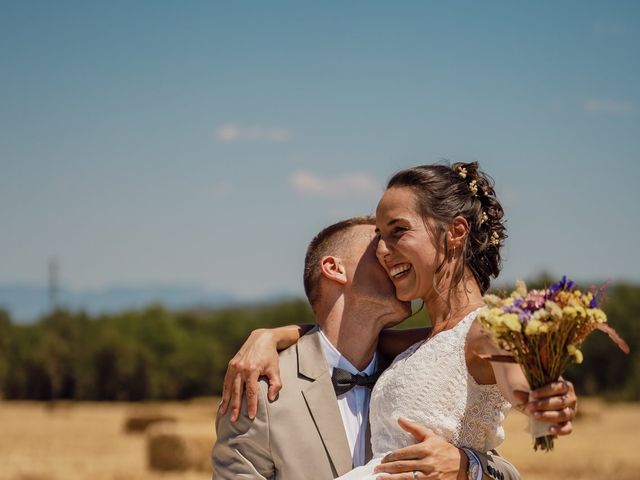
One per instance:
[(78, 441)]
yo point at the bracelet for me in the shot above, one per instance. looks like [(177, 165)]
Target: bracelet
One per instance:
[(474, 464)]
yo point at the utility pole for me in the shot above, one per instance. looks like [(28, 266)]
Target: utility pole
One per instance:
[(53, 284)]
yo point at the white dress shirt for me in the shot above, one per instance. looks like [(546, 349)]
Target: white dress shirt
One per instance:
[(353, 405)]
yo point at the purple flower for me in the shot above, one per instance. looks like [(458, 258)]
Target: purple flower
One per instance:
[(562, 284), (524, 317), (593, 303)]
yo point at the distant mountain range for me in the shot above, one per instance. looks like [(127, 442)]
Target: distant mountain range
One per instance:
[(27, 302)]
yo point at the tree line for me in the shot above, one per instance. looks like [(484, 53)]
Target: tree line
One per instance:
[(155, 353)]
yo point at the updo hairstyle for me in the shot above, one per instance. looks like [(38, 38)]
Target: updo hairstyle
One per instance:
[(444, 192)]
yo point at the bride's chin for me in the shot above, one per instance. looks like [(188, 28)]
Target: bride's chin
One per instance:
[(403, 297)]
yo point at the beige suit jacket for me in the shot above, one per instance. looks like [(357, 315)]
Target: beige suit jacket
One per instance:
[(300, 436)]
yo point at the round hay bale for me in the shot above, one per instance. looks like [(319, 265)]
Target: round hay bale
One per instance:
[(138, 422), (174, 447)]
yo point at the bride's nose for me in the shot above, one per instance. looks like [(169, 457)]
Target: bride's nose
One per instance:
[(382, 250)]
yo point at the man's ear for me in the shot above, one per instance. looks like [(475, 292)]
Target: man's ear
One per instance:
[(457, 232), (333, 269)]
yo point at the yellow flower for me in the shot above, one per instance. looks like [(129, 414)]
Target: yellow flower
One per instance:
[(569, 313), (554, 310), (540, 315), (492, 300), (533, 327), (575, 353), (586, 298), (598, 315), (512, 322), (521, 289), (563, 298)]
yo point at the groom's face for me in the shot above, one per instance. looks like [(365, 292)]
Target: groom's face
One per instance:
[(369, 283)]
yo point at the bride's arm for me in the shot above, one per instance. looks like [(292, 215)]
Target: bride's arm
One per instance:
[(508, 376), (554, 403), (257, 357)]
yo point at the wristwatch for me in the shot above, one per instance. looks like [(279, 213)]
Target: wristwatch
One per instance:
[(474, 464)]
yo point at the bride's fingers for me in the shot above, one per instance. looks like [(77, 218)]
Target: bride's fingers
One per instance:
[(555, 416), (226, 393), (275, 383), (564, 428), (561, 387), (551, 403), (251, 387), (236, 398)]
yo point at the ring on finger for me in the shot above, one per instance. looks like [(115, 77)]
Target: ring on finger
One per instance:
[(415, 475)]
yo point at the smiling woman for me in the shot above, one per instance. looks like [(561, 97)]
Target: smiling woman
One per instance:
[(437, 197)]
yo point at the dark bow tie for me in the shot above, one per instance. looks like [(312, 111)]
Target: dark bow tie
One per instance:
[(344, 381)]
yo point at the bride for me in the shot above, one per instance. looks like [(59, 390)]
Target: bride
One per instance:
[(440, 231)]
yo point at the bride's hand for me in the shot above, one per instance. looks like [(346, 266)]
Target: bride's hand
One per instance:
[(257, 357), (555, 403)]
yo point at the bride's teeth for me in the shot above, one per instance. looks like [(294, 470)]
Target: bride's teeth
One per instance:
[(399, 269)]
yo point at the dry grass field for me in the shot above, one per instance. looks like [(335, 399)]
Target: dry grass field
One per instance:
[(78, 441)]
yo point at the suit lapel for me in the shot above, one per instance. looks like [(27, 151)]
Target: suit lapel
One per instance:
[(321, 402), (368, 452)]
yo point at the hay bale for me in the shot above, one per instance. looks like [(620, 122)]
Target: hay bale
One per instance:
[(138, 422), (179, 447)]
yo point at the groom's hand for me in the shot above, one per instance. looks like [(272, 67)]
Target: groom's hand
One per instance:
[(432, 457)]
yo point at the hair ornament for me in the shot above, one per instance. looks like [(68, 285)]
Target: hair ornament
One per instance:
[(495, 239), (462, 172), (473, 186), (484, 217)]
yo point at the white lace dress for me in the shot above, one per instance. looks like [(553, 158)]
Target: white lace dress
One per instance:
[(429, 384)]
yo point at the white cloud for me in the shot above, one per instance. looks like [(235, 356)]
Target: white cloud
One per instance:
[(236, 133), (603, 105), (351, 185), (613, 29)]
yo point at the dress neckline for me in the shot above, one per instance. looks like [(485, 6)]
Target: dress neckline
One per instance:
[(462, 320)]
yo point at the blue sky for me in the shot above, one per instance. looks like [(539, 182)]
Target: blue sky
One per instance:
[(205, 143)]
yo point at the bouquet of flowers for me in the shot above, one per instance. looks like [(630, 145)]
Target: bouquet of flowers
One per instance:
[(543, 330)]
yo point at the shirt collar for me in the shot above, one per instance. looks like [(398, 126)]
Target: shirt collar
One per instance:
[(335, 359)]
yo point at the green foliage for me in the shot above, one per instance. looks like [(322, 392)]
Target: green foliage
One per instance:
[(5, 338), (131, 355), (155, 353)]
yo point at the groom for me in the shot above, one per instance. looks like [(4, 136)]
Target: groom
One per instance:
[(315, 430)]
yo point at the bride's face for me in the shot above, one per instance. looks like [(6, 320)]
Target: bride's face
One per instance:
[(406, 248)]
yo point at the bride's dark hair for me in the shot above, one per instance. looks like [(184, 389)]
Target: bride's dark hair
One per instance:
[(444, 192)]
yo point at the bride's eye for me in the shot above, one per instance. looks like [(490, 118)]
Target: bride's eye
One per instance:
[(399, 230)]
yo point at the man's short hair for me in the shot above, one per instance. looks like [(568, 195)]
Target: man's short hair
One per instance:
[(332, 240)]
